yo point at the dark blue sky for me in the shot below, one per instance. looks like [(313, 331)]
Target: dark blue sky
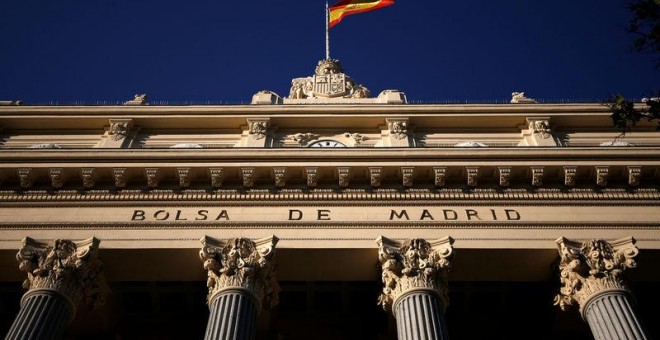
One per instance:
[(220, 50)]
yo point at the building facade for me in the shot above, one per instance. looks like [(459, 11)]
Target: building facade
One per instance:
[(328, 214)]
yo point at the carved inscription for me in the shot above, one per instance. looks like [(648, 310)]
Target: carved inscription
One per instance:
[(327, 214)]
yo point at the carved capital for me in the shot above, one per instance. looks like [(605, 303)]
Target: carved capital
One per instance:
[(71, 268), (407, 178), (87, 176), (344, 176), (634, 175), (537, 176), (602, 173), (216, 177), (312, 177), (570, 172), (413, 264), (119, 175), (56, 177), (280, 177), (398, 128), (258, 128), (592, 267), (25, 178), (248, 177), (184, 177), (440, 176), (505, 176), (241, 263), (152, 177), (119, 128), (472, 176)]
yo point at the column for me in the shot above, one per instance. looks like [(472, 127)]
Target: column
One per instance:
[(59, 277), (241, 281), (591, 280), (414, 275)]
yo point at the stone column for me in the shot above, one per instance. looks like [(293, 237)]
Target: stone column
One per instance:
[(414, 275), (241, 281), (591, 279), (59, 277)]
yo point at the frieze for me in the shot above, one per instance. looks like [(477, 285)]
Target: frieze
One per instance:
[(439, 214)]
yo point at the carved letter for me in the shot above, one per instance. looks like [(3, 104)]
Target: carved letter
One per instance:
[(138, 215), (324, 215), (295, 215), (399, 215), (510, 217)]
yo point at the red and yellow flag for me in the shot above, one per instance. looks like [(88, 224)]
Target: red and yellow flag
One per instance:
[(348, 7)]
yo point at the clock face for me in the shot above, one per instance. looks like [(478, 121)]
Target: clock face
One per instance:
[(327, 144)]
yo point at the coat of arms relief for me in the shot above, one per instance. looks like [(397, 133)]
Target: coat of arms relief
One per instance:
[(328, 81)]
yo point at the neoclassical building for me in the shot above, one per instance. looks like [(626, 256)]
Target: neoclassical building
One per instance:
[(330, 213)]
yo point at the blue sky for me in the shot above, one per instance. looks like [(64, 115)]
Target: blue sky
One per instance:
[(202, 50)]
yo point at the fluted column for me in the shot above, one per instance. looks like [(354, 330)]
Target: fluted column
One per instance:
[(591, 279), (59, 277), (241, 281), (414, 275)]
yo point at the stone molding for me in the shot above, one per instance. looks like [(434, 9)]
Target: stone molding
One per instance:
[(87, 177), (439, 176), (505, 176), (241, 263), (413, 264), (407, 176), (70, 268), (25, 178), (344, 176), (311, 176), (375, 176), (280, 176), (592, 267), (216, 177)]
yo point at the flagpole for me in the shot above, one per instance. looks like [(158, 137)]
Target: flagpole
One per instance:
[(327, 31)]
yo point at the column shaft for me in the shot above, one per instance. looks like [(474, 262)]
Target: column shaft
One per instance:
[(233, 317), (419, 316), (43, 316), (611, 316)]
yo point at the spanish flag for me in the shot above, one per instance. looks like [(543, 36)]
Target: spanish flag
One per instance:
[(348, 7)]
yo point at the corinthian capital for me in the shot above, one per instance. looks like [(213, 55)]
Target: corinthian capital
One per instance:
[(70, 268), (241, 263), (592, 267), (413, 264)]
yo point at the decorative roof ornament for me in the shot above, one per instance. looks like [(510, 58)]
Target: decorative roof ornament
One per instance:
[(140, 99), (519, 98), (328, 81)]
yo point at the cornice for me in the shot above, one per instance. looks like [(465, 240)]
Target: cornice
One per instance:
[(243, 110), (502, 156), (393, 225)]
